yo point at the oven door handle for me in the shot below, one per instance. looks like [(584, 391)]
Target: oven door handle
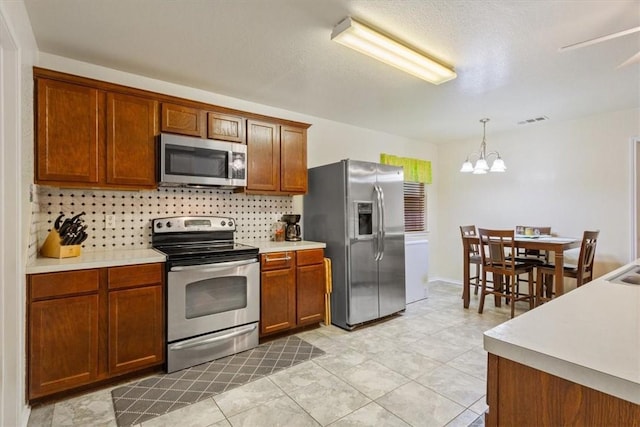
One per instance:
[(214, 267), (198, 342)]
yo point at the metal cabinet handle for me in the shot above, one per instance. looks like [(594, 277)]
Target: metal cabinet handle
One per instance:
[(267, 259)]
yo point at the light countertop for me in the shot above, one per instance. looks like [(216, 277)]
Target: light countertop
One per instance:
[(590, 336), (95, 260), (267, 246)]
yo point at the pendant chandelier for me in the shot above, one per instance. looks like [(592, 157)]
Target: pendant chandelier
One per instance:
[(482, 166)]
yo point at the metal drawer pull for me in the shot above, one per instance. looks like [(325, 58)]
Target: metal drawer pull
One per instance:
[(197, 342), (286, 258)]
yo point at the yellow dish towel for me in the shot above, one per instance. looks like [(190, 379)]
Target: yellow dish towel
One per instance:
[(328, 288)]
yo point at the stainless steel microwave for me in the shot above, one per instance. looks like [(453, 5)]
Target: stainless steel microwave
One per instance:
[(187, 161)]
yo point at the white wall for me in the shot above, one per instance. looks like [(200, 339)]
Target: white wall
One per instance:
[(17, 54), (572, 176)]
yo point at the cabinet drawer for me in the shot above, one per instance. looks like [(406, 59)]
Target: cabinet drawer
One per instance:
[(310, 256), (50, 285), (277, 260), (134, 275)]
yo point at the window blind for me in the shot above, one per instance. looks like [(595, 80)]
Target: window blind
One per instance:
[(414, 206)]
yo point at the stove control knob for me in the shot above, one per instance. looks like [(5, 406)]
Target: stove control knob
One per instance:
[(159, 225), (222, 223), (169, 225), (230, 223)]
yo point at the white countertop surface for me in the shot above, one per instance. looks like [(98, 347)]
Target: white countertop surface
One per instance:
[(590, 336), (267, 246), (95, 260)]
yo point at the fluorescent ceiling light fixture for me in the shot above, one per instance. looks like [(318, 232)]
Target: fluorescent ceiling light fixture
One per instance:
[(357, 36)]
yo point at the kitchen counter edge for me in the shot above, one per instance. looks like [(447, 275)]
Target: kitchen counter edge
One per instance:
[(589, 336), (266, 246), (98, 259)]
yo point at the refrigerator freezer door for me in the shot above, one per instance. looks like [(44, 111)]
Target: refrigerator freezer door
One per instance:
[(391, 267), (363, 268)]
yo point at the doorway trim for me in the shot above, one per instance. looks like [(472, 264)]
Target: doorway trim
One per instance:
[(634, 222)]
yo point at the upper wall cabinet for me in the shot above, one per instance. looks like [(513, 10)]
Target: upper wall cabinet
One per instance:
[(91, 133), (70, 130), (87, 137), (198, 122), (277, 158), (184, 120)]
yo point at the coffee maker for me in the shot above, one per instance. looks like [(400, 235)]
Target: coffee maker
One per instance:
[(292, 232)]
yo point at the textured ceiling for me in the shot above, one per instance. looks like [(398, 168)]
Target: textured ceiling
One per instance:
[(279, 53)]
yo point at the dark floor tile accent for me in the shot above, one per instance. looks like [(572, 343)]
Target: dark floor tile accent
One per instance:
[(155, 396)]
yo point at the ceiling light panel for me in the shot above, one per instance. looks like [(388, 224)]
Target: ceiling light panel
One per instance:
[(363, 39)]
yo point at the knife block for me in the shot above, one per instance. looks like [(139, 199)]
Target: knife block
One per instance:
[(52, 247)]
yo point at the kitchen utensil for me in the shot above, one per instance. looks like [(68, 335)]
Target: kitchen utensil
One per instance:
[(58, 222)]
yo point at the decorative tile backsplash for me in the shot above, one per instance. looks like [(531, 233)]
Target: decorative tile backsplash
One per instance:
[(134, 210)]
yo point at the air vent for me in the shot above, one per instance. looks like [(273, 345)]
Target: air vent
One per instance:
[(534, 120)]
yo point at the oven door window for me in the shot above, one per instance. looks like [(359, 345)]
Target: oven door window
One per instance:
[(193, 161), (215, 295)]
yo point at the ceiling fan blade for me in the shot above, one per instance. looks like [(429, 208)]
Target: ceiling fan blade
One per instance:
[(633, 59), (599, 39)]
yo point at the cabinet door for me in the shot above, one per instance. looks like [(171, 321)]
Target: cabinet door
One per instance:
[(69, 132), (63, 344), (184, 120), (136, 328), (293, 160), (132, 126), (225, 127), (310, 294), (278, 301), (263, 155)]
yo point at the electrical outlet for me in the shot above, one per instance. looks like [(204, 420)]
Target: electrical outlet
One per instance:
[(109, 222)]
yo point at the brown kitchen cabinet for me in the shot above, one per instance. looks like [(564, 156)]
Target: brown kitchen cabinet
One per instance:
[(277, 158), (557, 402), (310, 287), (292, 290), (278, 292), (88, 326), (184, 120), (226, 127), (136, 317), (63, 331), (198, 122), (87, 137)]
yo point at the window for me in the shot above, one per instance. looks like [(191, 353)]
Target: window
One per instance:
[(414, 206)]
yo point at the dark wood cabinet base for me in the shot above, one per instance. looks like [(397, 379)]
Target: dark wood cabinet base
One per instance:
[(519, 395)]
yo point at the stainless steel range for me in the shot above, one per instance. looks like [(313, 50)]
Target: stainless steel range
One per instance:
[(213, 289)]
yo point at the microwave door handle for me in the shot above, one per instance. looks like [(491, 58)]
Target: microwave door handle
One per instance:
[(229, 164), (214, 267)]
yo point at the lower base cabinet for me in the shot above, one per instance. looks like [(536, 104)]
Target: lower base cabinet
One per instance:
[(87, 326), (292, 290), (519, 395)]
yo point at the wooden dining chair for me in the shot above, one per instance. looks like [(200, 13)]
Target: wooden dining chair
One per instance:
[(497, 249), (583, 272), (474, 256)]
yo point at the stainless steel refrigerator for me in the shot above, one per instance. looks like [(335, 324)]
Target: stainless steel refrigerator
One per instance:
[(357, 209)]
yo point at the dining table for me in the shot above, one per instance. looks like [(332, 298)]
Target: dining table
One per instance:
[(555, 244)]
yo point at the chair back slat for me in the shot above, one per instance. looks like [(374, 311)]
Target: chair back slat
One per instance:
[(497, 248), (587, 257), (470, 231)]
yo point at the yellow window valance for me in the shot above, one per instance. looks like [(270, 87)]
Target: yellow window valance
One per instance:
[(415, 170)]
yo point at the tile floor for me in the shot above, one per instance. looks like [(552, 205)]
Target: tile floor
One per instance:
[(425, 367)]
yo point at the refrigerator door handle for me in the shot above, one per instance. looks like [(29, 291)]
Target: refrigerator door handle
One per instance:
[(382, 222), (376, 249)]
